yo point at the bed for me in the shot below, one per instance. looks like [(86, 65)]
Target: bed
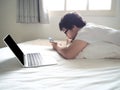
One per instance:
[(76, 74)]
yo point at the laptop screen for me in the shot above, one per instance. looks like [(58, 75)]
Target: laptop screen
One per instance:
[(14, 47)]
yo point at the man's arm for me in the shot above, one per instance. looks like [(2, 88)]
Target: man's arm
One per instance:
[(71, 51)]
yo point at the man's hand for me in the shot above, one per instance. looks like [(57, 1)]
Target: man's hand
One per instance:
[(54, 44), (57, 45)]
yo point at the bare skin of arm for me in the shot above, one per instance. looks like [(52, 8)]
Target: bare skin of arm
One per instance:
[(72, 50)]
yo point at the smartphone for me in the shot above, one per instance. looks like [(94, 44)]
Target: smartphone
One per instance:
[(51, 39)]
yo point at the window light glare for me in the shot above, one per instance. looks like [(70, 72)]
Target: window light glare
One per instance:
[(61, 5), (100, 4), (53, 5), (76, 4)]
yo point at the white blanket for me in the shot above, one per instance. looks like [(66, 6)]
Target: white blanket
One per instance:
[(77, 74)]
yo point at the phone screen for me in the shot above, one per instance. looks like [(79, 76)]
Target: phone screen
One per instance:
[(51, 39)]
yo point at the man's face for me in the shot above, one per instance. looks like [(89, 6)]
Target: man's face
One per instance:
[(71, 34)]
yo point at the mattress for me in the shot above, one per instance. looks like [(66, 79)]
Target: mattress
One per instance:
[(74, 74)]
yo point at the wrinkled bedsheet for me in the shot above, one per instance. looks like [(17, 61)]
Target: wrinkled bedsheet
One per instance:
[(76, 74)]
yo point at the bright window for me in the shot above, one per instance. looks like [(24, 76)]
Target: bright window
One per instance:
[(67, 5), (54, 5), (76, 4), (100, 4)]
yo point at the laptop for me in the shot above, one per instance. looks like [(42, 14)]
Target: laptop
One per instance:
[(29, 59)]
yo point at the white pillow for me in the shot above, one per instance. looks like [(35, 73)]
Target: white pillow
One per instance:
[(100, 50)]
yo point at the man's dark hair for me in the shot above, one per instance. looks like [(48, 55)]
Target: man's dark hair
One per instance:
[(71, 19)]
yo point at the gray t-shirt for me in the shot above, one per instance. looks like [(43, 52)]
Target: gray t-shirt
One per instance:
[(97, 33)]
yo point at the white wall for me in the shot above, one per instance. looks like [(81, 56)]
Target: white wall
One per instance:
[(24, 32)]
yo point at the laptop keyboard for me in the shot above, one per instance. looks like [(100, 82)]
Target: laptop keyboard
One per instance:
[(34, 59)]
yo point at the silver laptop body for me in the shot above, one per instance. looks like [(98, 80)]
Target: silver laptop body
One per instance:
[(29, 59)]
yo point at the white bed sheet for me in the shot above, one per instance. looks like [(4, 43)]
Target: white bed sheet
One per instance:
[(77, 74)]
